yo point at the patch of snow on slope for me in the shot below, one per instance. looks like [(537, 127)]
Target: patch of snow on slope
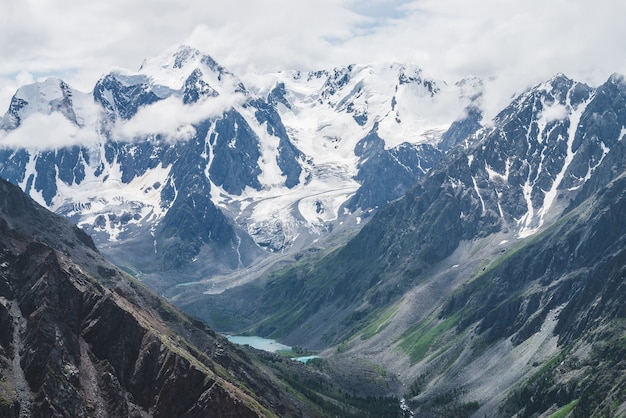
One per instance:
[(30, 171), (271, 175), (550, 195), (531, 223), (108, 204)]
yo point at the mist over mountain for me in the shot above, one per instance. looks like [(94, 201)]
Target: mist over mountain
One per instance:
[(180, 162)]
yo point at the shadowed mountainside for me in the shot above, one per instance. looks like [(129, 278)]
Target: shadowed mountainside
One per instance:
[(80, 338)]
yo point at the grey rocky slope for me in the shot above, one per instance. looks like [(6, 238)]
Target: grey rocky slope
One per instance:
[(81, 339), (493, 286)]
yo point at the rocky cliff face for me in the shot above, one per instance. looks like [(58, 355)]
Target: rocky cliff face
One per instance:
[(81, 339)]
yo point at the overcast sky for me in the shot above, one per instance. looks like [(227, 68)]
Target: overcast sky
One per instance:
[(512, 43)]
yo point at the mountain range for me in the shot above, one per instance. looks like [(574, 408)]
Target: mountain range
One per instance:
[(367, 212), (494, 286), (180, 161)]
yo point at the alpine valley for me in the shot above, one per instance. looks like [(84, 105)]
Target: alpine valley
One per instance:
[(365, 213)]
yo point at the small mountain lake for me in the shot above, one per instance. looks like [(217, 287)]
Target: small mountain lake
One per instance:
[(259, 343), (265, 344)]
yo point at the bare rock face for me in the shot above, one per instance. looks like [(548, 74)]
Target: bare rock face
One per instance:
[(78, 338)]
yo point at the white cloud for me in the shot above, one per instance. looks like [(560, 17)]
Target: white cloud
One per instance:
[(172, 119), (554, 112), (41, 132), (169, 118), (508, 43), (513, 44)]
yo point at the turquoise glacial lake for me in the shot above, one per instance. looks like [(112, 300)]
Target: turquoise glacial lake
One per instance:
[(265, 344), (259, 343)]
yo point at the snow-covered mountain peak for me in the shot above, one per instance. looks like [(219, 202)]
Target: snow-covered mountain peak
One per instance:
[(43, 92), (558, 86), (179, 58), (175, 66), (46, 97), (618, 79), (344, 104), (471, 88), (183, 74), (180, 148), (554, 99)]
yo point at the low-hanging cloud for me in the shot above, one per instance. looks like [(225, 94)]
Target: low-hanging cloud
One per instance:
[(553, 113), (43, 132), (510, 45), (169, 118), (172, 119)]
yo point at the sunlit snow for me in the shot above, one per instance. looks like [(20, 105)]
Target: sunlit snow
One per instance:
[(326, 114)]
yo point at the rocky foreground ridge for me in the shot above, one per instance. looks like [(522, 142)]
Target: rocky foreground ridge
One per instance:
[(80, 338)]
